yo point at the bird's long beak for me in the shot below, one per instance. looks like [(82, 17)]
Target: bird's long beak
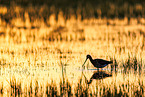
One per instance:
[(84, 62)]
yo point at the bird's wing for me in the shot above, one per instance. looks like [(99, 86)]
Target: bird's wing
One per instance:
[(101, 61)]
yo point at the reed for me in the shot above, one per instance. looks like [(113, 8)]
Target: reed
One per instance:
[(47, 60), (128, 88)]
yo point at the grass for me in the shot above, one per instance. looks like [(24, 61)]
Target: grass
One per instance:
[(47, 61), (17, 81), (127, 88), (83, 9)]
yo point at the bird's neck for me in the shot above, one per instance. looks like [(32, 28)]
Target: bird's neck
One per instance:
[(91, 59)]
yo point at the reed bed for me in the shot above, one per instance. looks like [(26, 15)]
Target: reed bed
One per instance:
[(47, 61)]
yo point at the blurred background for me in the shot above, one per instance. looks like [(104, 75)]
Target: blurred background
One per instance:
[(80, 9)]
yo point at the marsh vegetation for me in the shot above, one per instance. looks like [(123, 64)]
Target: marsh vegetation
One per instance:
[(41, 57)]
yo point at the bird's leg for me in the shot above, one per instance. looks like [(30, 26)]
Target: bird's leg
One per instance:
[(101, 69), (98, 69)]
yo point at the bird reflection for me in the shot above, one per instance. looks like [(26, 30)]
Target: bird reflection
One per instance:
[(97, 75)]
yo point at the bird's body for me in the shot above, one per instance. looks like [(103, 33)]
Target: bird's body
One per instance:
[(98, 63)]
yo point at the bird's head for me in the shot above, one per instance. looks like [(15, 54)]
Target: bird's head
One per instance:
[(88, 57)]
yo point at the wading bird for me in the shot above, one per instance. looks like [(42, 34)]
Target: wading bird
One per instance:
[(98, 63)]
